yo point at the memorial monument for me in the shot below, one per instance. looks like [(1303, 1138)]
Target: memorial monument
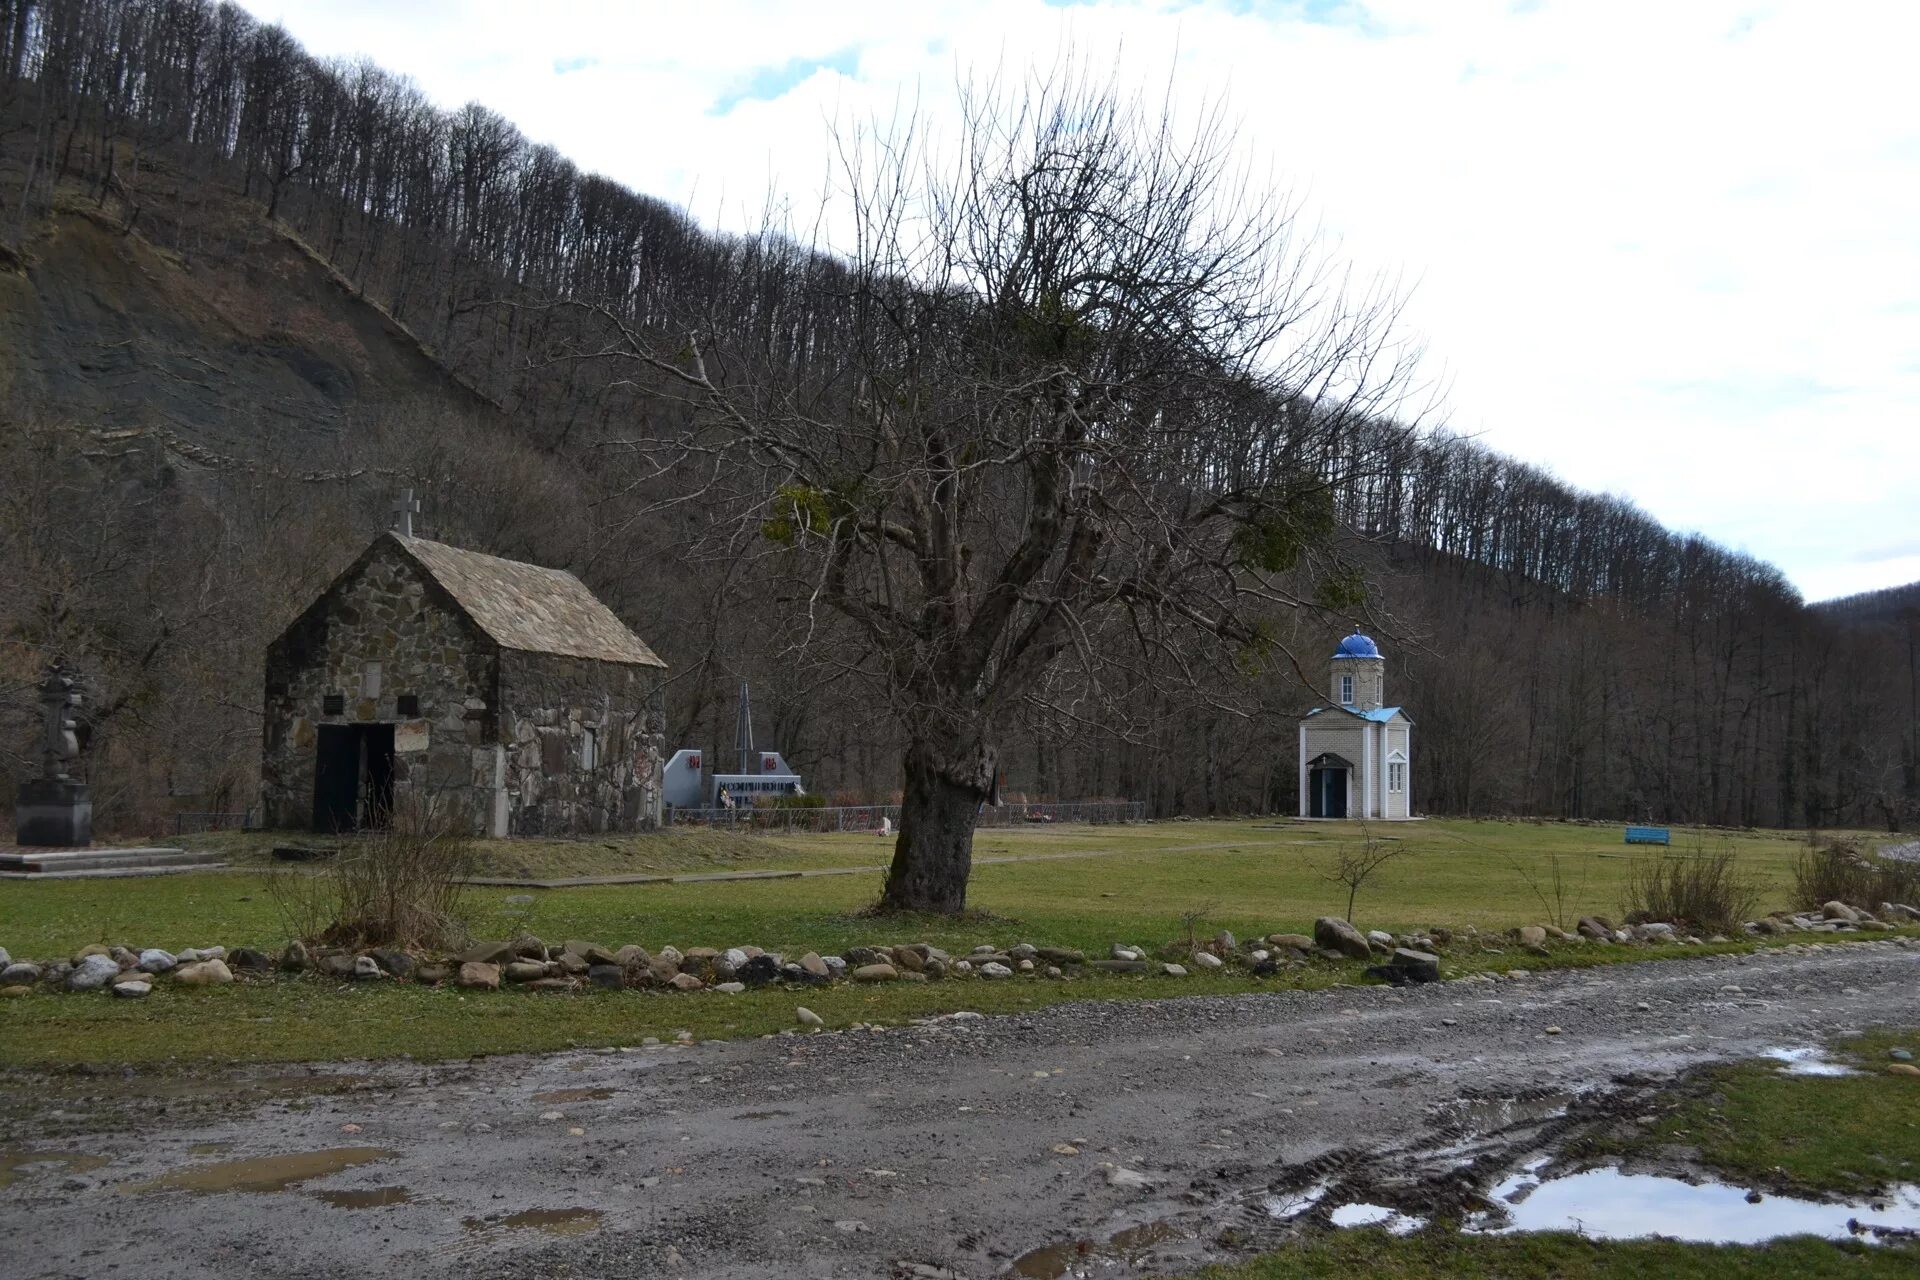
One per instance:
[(55, 809)]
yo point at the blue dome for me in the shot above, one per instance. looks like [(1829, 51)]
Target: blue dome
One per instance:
[(1357, 646)]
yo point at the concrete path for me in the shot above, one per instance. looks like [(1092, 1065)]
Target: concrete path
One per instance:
[(950, 1149)]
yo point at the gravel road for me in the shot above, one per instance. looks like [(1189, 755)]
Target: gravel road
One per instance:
[(950, 1148)]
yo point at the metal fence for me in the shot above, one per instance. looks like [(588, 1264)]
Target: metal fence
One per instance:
[(868, 817), (192, 823)]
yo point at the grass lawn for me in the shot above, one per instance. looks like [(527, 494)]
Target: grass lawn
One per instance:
[(1251, 876), (1373, 1253)]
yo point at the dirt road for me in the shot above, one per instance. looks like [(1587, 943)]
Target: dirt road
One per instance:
[(961, 1145)]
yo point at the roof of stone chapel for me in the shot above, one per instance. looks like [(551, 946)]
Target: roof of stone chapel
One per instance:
[(528, 607)]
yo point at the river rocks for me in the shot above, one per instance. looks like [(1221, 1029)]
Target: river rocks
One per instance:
[(759, 970), (524, 971), (1206, 960), (1379, 939), (20, 973), (432, 974), (204, 973), (1531, 935), (336, 965), (685, 982), (1903, 1069), (1176, 970), (1653, 931), (154, 960), (133, 988), (1837, 910), (911, 959), (993, 969), (294, 959), (1291, 941), (1335, 934), (478, 975), (1023, 951), (1417, 966), (93, 972), (1125, 953), (808, 1018), (730, 988), (632, 956), (875, 973), (395, 963), (607, 977), (1119, 966), (814, 967), (495, 953), (1596, 927), (91, 950), (6, 958), (1062, 955), (366, 968), (251, 960)]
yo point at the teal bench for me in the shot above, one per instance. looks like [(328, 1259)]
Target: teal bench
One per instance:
[(1648, 835)]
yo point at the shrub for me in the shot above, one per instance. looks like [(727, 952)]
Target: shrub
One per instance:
[(395, 886), (1705, 890), (1842, 871)]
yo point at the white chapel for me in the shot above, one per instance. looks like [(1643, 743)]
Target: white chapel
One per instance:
[(1355, 753)]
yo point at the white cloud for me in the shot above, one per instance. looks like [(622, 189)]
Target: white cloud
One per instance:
[(1671, 251)]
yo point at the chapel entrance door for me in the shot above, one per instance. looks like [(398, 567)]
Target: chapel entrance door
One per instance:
[(1327, 787), (352, 777)]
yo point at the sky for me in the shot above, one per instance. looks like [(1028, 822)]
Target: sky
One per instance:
[(1667, 250)]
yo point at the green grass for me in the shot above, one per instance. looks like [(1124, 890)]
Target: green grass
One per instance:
[(1253, 877), (1759, 1126), (1373, 1253)]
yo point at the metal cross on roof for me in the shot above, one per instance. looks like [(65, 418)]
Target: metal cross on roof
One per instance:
[(405, 508)]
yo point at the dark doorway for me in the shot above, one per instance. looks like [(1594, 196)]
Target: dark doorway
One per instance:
[(1327, 787), (352, 777)]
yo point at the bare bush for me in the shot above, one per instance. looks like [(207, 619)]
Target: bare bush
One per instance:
[(1708, 891), (399, 885), (1355, 864), (1842, 871)]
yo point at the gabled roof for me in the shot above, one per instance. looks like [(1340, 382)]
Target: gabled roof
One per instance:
[(1379, 714), (529, 608)]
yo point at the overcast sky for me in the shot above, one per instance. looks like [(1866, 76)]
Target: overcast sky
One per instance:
[(1669, 249)]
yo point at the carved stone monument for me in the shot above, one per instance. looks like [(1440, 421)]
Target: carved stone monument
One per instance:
[(55, 809)]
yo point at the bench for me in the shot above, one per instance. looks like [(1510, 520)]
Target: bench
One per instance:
[(1648, 835)]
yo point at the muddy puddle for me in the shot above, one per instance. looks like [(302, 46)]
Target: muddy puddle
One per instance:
[(574, 1095), (1071, 1257), (553, 1222), (371, 1198), (263, 1173), (14, 1161), (1808, 1061), (1612, 1205)]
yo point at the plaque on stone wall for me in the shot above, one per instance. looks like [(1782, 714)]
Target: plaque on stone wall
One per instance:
[(410, 735)]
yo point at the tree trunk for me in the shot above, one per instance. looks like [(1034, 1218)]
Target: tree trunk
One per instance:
[(933, 855)]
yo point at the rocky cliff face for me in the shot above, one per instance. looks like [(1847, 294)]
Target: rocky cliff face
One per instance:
[(261, 354)]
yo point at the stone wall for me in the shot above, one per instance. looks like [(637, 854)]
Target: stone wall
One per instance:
[(583, 749), (384, 632)]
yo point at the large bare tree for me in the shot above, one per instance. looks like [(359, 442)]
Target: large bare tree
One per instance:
[(1067, 404)]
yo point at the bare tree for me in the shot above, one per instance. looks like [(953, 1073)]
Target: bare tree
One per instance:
[(1066, 413)]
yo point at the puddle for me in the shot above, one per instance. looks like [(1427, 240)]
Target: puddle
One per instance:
[(1612, 1205), (372, 1198), (1291, 1205), (554, 1222), (574, 1095), (264, 1173), (1376, 1215), (1059, 1260), (15, 1159), (1491, 1115), (1810, 1061)]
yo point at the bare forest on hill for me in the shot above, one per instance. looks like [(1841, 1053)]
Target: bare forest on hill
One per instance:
[(246, 294)]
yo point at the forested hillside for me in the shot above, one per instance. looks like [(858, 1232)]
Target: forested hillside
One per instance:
[(246, 294)]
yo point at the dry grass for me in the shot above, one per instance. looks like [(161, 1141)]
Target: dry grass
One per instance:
[(397, 886), (1841, 870), (1709, 891)]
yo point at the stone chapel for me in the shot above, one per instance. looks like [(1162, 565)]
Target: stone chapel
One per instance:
[(505, 690), (1356, 755)]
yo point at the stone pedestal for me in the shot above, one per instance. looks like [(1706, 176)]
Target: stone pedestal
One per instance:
[(55, 813)]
